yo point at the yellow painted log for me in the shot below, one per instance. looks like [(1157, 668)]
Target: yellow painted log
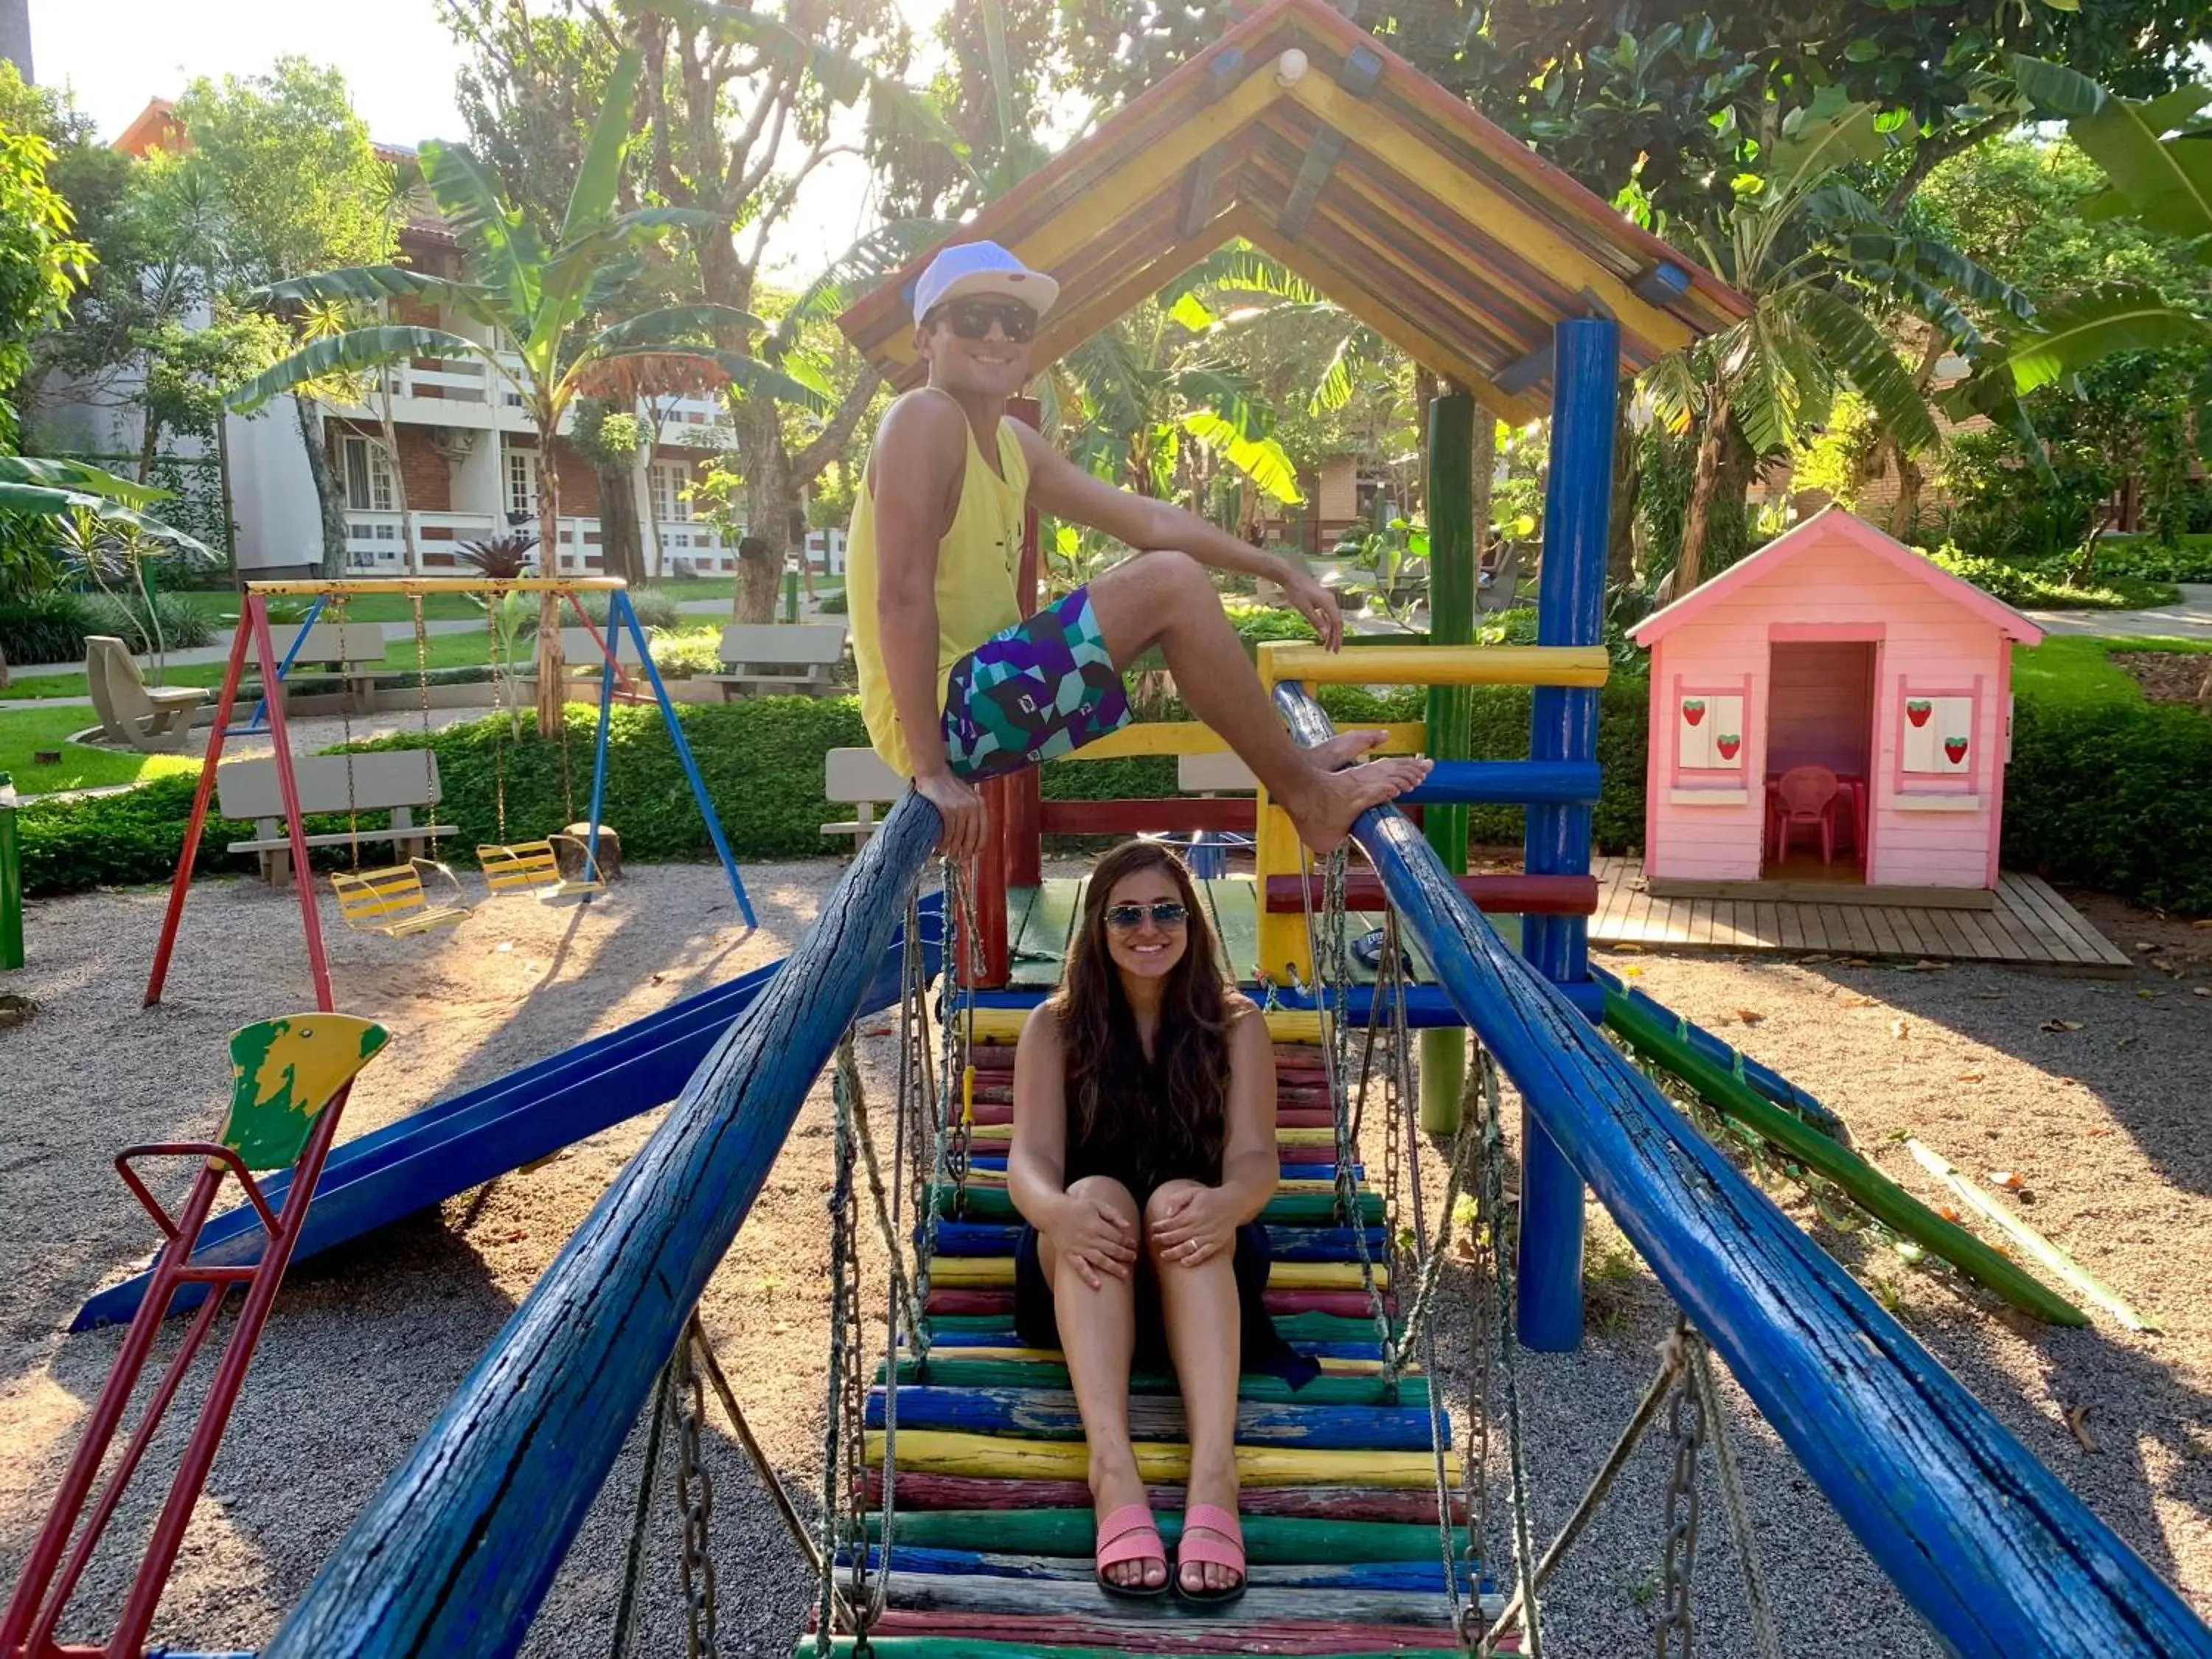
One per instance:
[(1192, 737), (994, 1273), (1284, 1025), (1500, 215), (1329, 1367), (1434, 665), (982, 1456), (1005, 1132)]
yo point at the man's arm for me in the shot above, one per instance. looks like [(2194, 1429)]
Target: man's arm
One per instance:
[(921, 452), (1065, 490)]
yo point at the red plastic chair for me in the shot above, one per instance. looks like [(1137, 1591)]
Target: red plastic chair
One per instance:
[(1806, 795)]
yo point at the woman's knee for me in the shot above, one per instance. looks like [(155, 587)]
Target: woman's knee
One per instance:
[(1167, 1197), (1105, 1189)]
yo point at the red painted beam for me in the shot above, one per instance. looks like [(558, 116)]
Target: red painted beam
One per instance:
[(1527, 896), (1225, 815), (1286, 1118)]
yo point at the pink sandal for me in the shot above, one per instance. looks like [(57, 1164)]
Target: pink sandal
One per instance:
[(1129, 1534), (1204, 1528)]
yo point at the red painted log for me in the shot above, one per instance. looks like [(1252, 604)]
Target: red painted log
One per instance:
[(1527, 896), (1295, 1062), (991, 1112), (966, 1492), (1215, 1635), (1227, 816), (1351, 1305)]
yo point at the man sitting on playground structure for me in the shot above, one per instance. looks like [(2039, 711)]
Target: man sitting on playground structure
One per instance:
[(956, 686)]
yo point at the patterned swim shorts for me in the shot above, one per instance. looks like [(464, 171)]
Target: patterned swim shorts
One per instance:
[(1033, 691)]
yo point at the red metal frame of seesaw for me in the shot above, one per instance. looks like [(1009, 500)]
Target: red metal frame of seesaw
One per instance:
[(253, 627)]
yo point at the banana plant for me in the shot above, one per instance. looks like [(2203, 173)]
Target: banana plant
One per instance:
[(2156, 156), (1809, 252), (542, 308)]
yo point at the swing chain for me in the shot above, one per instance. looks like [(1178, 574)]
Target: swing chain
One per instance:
[(1686, 1434), (1491, 1167), (694, 1498)]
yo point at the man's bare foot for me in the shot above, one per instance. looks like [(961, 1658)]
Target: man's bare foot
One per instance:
[(1346, 748), (1325, 818)]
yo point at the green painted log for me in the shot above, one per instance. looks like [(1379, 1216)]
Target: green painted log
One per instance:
[(1288, 1209), (1291, 1328), (946, 1371), (1452, 571), (1880, 1196), (1270, 1541)]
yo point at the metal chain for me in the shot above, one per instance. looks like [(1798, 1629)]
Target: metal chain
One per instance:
[(1493, 1203), (1764, 1635), (641, 1516), (695, 1498), (1686, 1433)]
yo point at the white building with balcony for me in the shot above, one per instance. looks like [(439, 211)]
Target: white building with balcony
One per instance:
[(467, 465)]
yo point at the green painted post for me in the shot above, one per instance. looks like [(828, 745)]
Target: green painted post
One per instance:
[(11, 881), (790, 592), (1452, 708)]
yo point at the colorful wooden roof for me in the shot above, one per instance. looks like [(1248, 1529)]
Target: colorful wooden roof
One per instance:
[(1314, 142), (1826, 529)]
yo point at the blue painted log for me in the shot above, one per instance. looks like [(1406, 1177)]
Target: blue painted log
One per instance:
[(444, 1150), (1987, 1544), (1286, 1244), (1763, 1079), (1425, 1004), (1427, 1575), (1508, 783), (1050, 1414), (456, 1553)]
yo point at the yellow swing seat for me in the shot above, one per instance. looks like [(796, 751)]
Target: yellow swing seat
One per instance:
[(529, 865), (393, 902)]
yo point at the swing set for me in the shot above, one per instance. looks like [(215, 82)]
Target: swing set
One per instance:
[(394, 899)]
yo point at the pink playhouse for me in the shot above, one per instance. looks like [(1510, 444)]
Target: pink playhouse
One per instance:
[(1835, 711)]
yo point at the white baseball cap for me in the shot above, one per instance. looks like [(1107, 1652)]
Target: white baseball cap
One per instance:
[(975, 269)]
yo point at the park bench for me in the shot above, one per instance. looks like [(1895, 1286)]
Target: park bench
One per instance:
[(583, 657), (353, 652), (796, 658), (858, 778), (153, 720), (393, 780)]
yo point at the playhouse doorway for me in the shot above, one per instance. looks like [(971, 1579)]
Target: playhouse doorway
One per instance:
[(1820, 712)]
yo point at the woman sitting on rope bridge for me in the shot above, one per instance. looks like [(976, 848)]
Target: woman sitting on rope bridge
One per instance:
[(1144, 1149)]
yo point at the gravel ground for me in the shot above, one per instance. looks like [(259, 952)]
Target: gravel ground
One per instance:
[(2104, 1122)]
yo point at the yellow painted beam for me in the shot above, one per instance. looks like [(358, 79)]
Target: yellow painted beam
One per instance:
[(944, 1451), (1284, 1025), (1501, 216), (1434, 665), (993, 1272), (1003, 1132), (1191, 738), (1285, 952), (443, 585)]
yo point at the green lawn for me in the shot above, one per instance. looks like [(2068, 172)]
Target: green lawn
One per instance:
[(24, 731), (2074, 669)]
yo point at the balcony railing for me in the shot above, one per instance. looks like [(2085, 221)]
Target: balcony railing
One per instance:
[(375, 545)]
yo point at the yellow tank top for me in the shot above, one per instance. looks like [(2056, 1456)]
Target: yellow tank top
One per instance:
[(978, 563)]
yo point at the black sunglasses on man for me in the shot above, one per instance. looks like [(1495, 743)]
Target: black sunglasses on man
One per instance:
[(971, 319)]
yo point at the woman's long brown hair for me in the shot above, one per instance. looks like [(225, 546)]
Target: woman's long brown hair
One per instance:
[(1169, 1118)]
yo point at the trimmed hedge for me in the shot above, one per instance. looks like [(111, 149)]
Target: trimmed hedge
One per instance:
[(2106, 795)]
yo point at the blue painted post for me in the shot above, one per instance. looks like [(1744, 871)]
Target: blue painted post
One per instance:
[(621, 602), (1985, 1543), (454, 1555), (261, 708), (1563, 727), (608, 674)]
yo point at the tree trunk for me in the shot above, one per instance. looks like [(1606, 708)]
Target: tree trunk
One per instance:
[(329, 500), (1627, 479), (550, 665), (1705, 484), (1905, 520), (621, 536), (413, 560), (771, 496)]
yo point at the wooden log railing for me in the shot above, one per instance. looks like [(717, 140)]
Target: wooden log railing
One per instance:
[(456, 1553), (1987, 1545)]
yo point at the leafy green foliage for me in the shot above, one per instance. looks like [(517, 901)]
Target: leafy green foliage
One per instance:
[(41, 260), (2050, 585)]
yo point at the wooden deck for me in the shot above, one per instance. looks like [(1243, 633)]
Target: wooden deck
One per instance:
[(2029, 926)]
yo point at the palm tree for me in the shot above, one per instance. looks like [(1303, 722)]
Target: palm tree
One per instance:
[(1809, 250), (544, 308)]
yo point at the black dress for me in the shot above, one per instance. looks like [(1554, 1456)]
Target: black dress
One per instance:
[(1130, 1152)]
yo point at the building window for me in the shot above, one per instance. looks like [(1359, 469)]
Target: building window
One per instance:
[(522, 483), (368, 476), (670, 479)]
